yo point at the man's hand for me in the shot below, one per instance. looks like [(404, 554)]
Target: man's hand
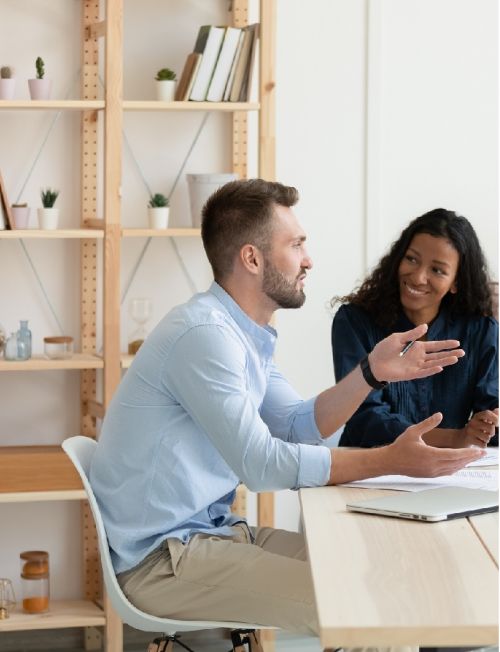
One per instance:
[(480, 429), (421, 360), (410, 455)]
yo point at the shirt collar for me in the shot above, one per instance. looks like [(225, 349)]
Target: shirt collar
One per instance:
[(264, 337), (435, 326)]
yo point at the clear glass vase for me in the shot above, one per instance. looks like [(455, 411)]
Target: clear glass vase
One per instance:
[(23, 341), (10, 351)]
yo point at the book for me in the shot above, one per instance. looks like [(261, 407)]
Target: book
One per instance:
[(229, 83), (188, 76), (6, 221), (247, 79), (223, 66), (208, 43), (243, 63)]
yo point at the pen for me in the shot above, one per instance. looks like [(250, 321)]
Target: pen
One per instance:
[(407, 347)]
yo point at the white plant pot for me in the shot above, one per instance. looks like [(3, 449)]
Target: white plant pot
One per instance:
[(158, 217), (7, 87), (40, 89), (48, 218), (201, 186), (21, 216), (165, 90)]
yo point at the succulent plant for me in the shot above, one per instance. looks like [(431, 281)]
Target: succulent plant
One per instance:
[(165, 74), (158, 201), (6, 72), (40, 68), (49, 197)]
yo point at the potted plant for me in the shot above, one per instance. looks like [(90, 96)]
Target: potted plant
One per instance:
[(158, 210), (7, 83), (20, 215), (165, 85), (40, 87), (48, 216)]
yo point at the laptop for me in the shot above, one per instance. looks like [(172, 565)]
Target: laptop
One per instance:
[(431, 505)]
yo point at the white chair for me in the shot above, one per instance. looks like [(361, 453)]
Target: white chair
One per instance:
[(81, 450)]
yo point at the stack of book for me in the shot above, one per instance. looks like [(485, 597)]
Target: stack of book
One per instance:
[(221, 65)]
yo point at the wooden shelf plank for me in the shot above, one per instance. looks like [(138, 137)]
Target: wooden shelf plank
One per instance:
[(155, 105), (41, 363), (63, 613), (16, 234), (160, 233), (52, 105), (42, 496), (36, 468)]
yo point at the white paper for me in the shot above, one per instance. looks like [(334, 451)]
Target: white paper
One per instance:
[(473, 478), (490, 459)]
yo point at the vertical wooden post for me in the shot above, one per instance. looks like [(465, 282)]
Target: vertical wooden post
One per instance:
[(88, 288), (267, 84), (267, 157), (240, 120), (113, 118)]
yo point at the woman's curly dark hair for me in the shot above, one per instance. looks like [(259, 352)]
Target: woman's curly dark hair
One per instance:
[(379, 293)]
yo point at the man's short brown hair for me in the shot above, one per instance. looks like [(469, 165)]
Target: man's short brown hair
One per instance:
[(240, 213)]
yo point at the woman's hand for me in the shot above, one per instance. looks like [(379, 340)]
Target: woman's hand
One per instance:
[(422, 358), (479, 430)]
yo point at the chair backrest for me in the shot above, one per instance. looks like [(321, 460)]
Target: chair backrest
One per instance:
[(81, 450)]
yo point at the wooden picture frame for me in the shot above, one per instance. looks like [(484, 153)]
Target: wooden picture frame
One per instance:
[(5, 212)]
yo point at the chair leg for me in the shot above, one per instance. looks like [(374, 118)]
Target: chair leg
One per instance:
[(162, 644), (166, 644), (242, 637)]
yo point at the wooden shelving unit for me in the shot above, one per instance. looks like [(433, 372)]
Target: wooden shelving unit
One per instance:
[(95, 609), (64, 613), (52, 105), (227, 107), (160, 233), (40, 363), (56, 234)]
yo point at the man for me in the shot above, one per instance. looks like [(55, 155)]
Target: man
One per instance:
[(203, 408)]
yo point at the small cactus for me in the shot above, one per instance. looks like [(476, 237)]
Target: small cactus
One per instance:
[(6, 72), (40, 68), (165, 74), (158, 201), (49, 197)]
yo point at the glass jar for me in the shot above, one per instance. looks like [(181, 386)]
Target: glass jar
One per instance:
[(23, 341), (58, 347), (10, 350), (35, 581)]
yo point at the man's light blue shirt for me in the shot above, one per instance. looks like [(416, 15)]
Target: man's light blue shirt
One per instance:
[(201, 408)]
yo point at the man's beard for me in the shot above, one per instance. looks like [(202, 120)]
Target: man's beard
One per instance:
[(280, 289)]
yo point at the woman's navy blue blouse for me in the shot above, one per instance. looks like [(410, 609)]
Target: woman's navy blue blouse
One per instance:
[(469, 386)]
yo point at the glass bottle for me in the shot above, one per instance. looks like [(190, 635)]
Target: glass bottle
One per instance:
[(10, 351), (35, 581), (23, 341)]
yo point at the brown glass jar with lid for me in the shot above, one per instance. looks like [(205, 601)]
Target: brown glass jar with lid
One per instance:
[(35, 581)]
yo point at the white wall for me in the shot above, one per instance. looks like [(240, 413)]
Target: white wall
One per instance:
[(432, 74)]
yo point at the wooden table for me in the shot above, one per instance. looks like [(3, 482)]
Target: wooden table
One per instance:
[(382, 581)]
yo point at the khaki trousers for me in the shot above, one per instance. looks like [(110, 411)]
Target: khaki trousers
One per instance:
[(258, 575), (228, 578)]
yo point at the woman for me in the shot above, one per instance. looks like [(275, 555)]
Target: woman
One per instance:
[(435, 273)]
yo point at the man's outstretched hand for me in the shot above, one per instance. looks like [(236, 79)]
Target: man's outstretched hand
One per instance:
[(422, 358), (410, 455)]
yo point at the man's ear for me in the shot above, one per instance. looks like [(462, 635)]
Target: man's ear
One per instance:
[(453, 289), (251, 258)]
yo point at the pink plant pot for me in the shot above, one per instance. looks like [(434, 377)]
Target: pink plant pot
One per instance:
[(21, 216), (40, 88), (7, 87)]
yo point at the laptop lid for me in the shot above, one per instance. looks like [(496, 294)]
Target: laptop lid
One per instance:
[(439, 504)]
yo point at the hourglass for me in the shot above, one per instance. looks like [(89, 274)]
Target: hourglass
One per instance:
[(140, 310)]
